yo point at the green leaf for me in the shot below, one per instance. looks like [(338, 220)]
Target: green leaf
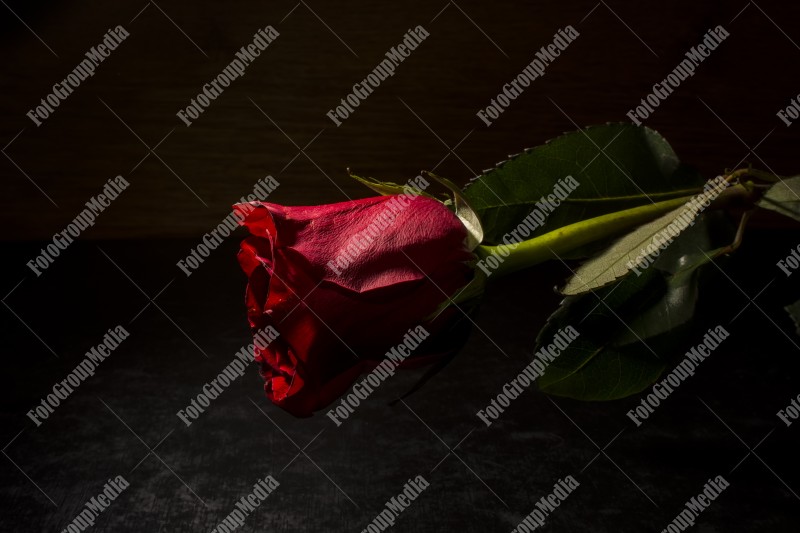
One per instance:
[(617, 166), (784, 198), (463, 211), (386, 188), (621, 323), (639, 248), (682, 263), (620, 258), (592, 367)]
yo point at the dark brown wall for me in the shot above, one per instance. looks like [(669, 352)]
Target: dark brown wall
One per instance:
[(307, 70)]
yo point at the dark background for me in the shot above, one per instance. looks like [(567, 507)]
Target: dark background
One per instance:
[(122, 421)]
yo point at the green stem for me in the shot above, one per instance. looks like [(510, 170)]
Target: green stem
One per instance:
[(567, 238)]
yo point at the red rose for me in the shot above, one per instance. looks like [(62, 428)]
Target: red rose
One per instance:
[(342, 284)]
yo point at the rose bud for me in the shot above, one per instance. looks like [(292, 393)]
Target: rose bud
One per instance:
[(343, 283)]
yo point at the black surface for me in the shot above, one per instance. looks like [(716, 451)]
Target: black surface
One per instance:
[(242, 437)]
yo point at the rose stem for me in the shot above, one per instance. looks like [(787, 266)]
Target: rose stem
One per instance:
[(567, 238)]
